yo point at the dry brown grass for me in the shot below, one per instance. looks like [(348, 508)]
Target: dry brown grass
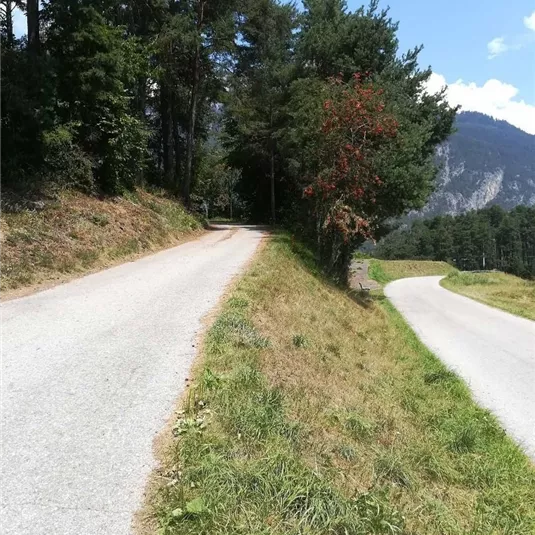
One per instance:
[(327, 415), (78, 233), (500, 290)]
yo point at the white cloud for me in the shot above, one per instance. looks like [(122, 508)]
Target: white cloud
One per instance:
[(496, 47), (529, 22), (499, 45), (494, 98)]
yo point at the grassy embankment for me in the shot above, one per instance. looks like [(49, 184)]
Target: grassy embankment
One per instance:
[(311, 414), (78, 233), (499, 290), (385, 271)]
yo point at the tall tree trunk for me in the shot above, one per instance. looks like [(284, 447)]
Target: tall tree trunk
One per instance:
[(4, 134), (32, 13), (190, 140), (176, 147), (230, 199), (272, 184), (141, 103), (2, 148), (9, 24), (272, 168), (167, 142)]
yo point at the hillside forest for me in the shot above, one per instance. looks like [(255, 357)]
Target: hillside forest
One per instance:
[(491, 238), (486, 161), (311, 117)]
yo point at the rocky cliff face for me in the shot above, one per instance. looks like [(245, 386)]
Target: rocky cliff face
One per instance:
[(485, 162)]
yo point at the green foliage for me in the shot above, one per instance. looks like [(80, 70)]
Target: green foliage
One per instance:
[(25, 90), (255, 111), (193, 51), (95, 63), (275, 117), (490, 238), (216, 183), (222, 101), (125, 152), (225, 103), (336, 41), (64, 161)]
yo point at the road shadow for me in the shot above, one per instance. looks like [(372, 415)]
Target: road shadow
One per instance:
[(366, 299), (223, 225)]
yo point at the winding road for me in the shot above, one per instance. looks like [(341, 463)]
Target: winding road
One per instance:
[(493, 351), (91, 371)]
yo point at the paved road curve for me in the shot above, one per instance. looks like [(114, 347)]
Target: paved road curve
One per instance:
[(492, 350), (91, 371)]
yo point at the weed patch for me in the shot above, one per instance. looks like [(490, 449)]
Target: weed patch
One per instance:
[(299, 340)]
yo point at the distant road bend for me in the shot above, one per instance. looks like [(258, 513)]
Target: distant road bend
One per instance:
[(492, 350), (91, 371)]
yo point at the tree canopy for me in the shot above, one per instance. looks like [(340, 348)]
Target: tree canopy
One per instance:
[(492, 238), (309, 117)]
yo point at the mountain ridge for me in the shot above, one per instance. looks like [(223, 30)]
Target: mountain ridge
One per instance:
[(485, 162)]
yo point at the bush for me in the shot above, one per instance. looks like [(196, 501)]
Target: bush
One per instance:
[(65, 163), (124, 153)]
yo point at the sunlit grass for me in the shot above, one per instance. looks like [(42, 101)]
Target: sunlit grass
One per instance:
[(312, 413), (510, 293), (384, 271)]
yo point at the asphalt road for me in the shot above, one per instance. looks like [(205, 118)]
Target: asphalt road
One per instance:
[(492, 350), (91, 371)]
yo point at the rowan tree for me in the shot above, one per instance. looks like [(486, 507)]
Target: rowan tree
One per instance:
[(344, 193)]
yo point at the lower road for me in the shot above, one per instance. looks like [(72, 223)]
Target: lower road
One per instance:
[(493, 351), (90, 374)]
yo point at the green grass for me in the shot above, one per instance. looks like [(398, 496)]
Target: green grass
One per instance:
[(313, 414), (500, 290), (385, 271)]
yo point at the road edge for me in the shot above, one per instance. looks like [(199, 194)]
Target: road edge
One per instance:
[(143, 521)]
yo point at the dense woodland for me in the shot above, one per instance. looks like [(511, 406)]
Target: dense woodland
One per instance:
[(491, 238), (309, 117)]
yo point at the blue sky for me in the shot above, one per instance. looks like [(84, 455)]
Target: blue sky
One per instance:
[(456, 33), (484, 50)]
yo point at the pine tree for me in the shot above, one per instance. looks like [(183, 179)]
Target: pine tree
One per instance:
[(256, 113), (26, 95), (94, 63), (490, 238), (33, 19)]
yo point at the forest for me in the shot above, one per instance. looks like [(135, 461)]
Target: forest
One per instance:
[(486, 239), (307, 116)]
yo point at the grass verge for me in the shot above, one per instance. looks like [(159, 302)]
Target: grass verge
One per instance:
[(500, 290), (385, 271), (312, 413), (77, 233)]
